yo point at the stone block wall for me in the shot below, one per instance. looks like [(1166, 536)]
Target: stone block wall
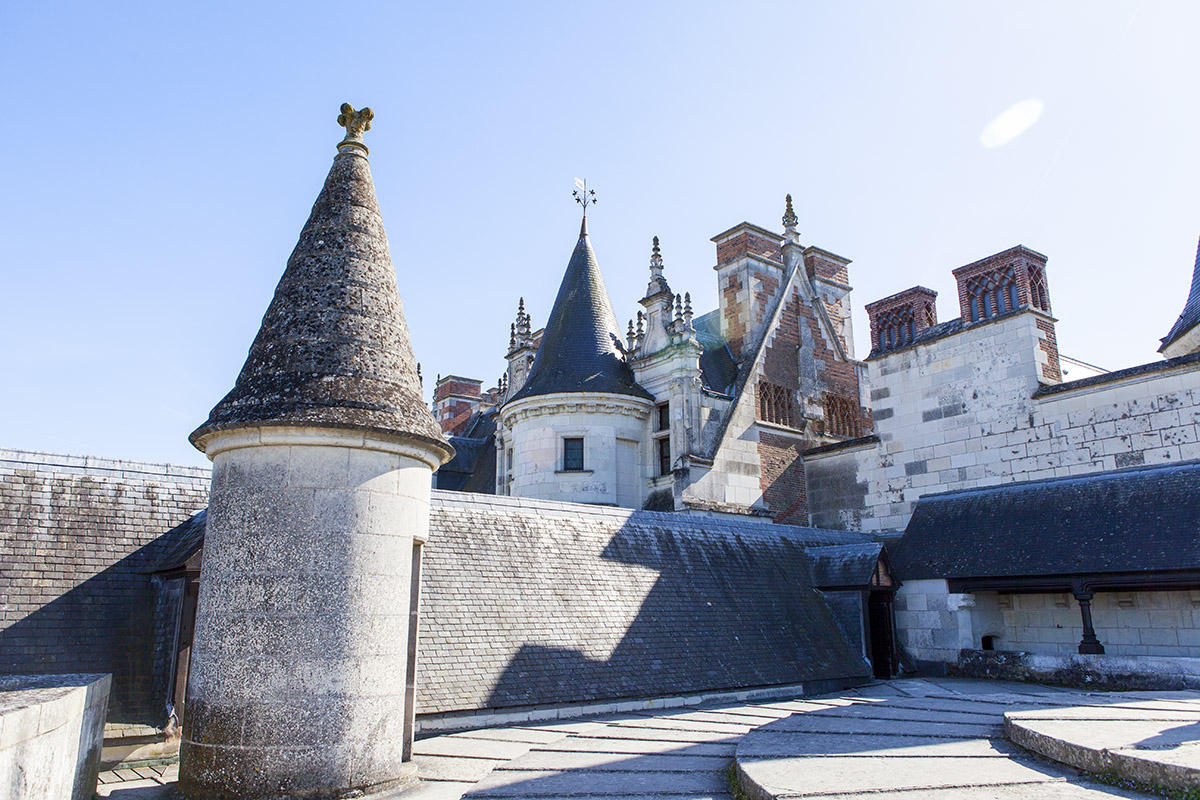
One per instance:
[(973, 409), (76, 536), (51, 731), (1127, 623)]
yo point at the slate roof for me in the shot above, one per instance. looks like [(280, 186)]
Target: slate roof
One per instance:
[(1190, 317), (580, 349), (1142, 519), (333, 349), (844, 565), (718, 370), (1117, 375), (182, 542), (473, 468)]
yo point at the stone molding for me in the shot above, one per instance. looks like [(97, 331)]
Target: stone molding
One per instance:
[(574, 403), (280, 436)]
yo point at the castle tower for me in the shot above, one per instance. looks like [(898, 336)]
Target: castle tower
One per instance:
[(575, 427), (304, 656)]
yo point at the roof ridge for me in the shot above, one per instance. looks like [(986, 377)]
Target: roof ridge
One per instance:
[(1100, 474)]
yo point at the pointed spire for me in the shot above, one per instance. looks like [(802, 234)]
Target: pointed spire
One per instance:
[(1189, 320), (641, 329), (580, 349), (630, 338), (687, 310), (658, 283), (678, 311), (333, 349), (790, 220)]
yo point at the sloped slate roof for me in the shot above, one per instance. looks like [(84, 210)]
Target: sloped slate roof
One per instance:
[(844, 564), (1143, 519), (333, 349), (182, 542), (473, 468), (580, 349), (1190, 317)]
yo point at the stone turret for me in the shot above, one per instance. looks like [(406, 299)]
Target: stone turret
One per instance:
[(303, 664), (571, 431)]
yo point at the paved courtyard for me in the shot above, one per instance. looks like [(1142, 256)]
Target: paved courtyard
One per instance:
[(916, 739)]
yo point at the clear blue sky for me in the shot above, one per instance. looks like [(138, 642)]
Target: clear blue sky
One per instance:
[(161, 159)]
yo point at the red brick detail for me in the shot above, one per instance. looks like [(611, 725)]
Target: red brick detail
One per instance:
[(765, 288), (838, 378), (817, 266), (917, 304), (453, 385), (749, 242), (1048, 341), (782, 480), (1023, 262)]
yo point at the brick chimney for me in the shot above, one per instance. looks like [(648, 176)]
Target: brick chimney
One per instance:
[(750, 273), (897, 320), (453, 396)]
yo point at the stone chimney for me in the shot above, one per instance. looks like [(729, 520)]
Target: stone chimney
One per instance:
[(303, 665), (750, 272)]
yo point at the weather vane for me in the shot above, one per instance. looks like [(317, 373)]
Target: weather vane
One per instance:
[(583, 195)]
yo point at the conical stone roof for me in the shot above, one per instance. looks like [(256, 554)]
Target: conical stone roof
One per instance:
[(580, 349), (333, 350)]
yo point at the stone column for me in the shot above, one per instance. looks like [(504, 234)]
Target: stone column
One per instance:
[(302, 641), (1089, 645)]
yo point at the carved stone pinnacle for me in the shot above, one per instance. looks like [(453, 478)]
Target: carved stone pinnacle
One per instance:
[(356, 123), (789, 216)]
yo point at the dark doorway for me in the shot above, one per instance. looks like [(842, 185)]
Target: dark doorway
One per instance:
[(883, 638)]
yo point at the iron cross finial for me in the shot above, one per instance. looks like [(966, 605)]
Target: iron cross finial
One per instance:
[(356, 123), (583, 195)]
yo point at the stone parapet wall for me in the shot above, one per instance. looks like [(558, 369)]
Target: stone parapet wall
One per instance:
[(51, 729), (77, 534)]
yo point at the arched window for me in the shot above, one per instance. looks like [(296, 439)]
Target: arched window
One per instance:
[(1038, 295), (992, 294), (897, 328)]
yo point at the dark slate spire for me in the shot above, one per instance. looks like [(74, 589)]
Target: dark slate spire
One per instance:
[(333, 349), (580, 349), (1190, 317)]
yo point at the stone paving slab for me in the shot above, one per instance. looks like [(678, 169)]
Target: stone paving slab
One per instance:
[(769, 744), (649, 746), (1149, 745), (528, 735), (926, 740), (538, 783), (478, 748), (618, 762), (450, 768)]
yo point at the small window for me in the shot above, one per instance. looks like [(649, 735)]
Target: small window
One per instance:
[(989, 642), (664, 417), (573, 455), (664, 456)]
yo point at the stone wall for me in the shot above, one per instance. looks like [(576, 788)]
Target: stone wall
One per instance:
[(51, 729), (76, 536), (1127, 623), (973, 409), (530, 602)]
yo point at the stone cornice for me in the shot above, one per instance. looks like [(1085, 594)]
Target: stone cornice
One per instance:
[(574, 403)]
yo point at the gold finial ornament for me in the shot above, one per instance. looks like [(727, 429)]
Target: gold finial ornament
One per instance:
[(790, 220), (356, 124)]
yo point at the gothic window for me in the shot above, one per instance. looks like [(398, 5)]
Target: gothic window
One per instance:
[(777, 404), (664, 456), (992, 294), (897, 328), (1039, 297), (572, 455), (842, 417)]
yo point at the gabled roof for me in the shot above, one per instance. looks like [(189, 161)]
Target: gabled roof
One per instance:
[(1141, 519), (333, 349), (580, 349), (182, 542), (844, 565), (1190, 317)]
